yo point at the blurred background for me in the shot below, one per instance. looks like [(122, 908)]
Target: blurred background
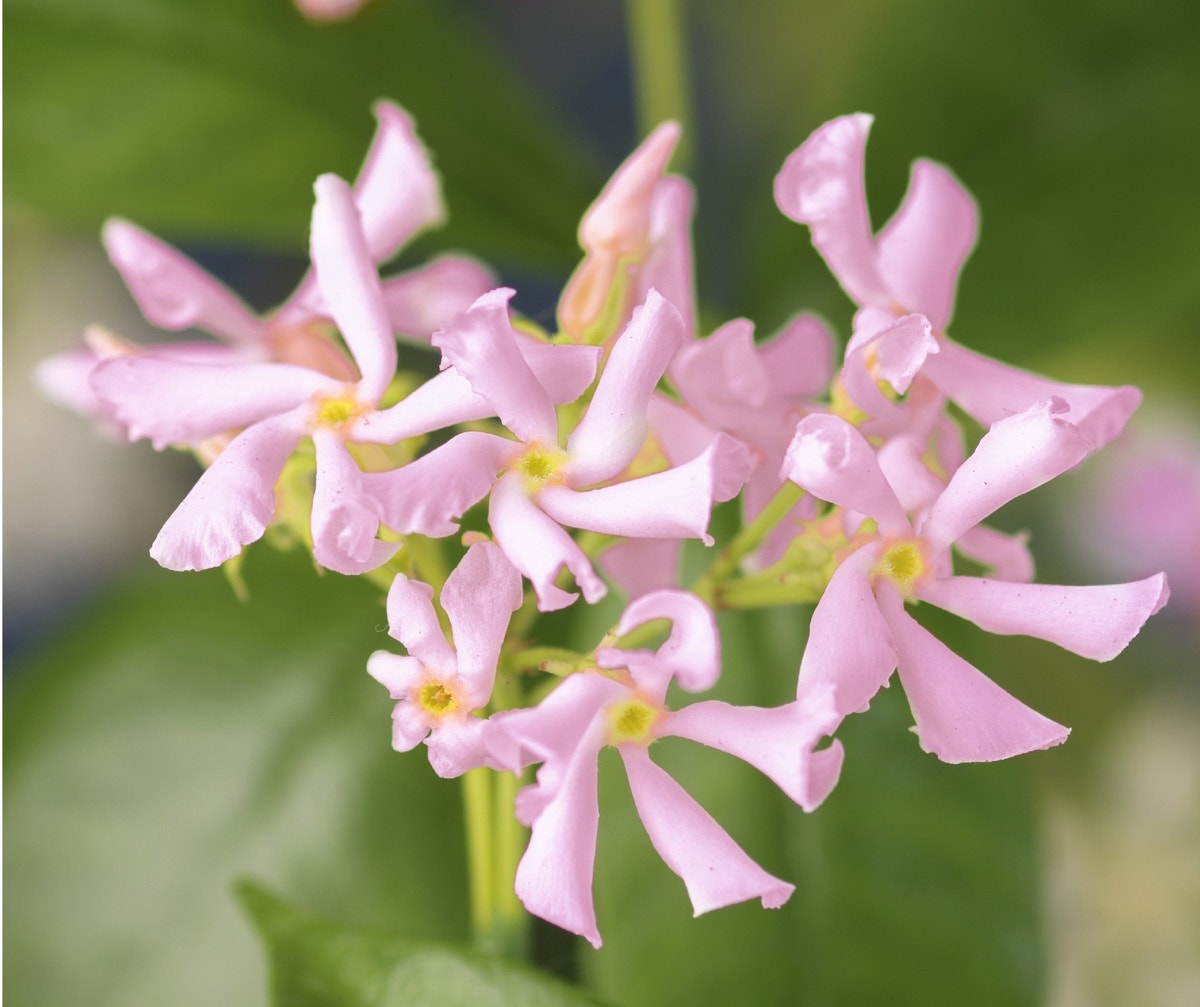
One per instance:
[(1075, 124)]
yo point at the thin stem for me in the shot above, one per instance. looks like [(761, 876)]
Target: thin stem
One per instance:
[(477, 813), (658, 53), (512, 923)]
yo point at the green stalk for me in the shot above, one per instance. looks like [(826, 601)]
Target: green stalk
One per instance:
[(658, 54), (477, 814)]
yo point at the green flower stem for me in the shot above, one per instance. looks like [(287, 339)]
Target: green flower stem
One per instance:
[(495, 840), (658, 53), (512, 922), (477, 813), (708, 585)]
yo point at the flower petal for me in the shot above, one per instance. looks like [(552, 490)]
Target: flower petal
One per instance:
[(1018, 454), (482, 347), (480, 596), (396, 673), (427, 496), (412, 621), (850, 648), (233, 501), (667, 267), (833, 461), (458, 745), (799, 358), (345, 518), (989, 390), (420, 301), (692, 653), (349, 285), (716, 871), (821, 185), (923, 247), (613, 429), (1096, 621), (638, 565), (176, 402), (538, 547), (1007, 556), (172, 291), (961, 715)]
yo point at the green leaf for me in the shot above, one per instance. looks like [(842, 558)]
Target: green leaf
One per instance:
[(176, 739), (212, 118), (316, 963)]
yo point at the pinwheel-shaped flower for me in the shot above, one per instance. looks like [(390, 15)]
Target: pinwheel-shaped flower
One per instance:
[(906, 276), (624, 706), (437, 688), (860, 631)]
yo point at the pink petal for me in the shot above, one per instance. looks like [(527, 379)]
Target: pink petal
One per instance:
[(396, 673), (538, 547), (172, 291), (412, 621), (850, 649), (350, 286), (715, 870), (64, 380), (1016, 455), (989, 391), (554, 877), (410, 726), (640, 565), (692, 653), (444, 400), (668, 266), (799, 358), (172, 402), (419, 301), (233, 501), (683, 437), (923, 247), (901, 459), (457, 745), (777, 741), (427, 496), (821, 185), (899, 347), (722, 373), (482, 347), (564, 370), (479, 597), (1007, 556), (833, 461), (961, 715), (1096, 621), (613, 429), (345, 519), (397, 192)]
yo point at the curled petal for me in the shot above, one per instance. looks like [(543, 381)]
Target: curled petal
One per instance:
[(419, 301), (480, 596), (345, 518), (397, 192), (181, 402), (613, 429), (172, 291), (1096, 621), (1016, 455), (989, 391), (538, 547), (716, 871), (350, 286), (833, 461), (692, 653), (667, 267), (482, 347), (233, 501), (923, 247), (427, 496), (850, 649), (821, 185), (412, 621), (961, 715)]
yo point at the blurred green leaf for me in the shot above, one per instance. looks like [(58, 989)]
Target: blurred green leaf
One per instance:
[(212, 118), (917, 882), (176, 739), (316, 963)]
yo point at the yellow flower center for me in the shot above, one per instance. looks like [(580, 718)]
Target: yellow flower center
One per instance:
[(632, 720), (335, 412), (540, 464), (437, 699), (903, 563)]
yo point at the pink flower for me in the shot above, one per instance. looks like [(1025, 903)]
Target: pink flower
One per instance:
[(398, 195), (437, 688), (545, 486), (860, 631), (911, 267), (329, 10), (624, 706)]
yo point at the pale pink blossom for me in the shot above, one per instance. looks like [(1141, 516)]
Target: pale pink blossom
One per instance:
[(546, 486), (623, 703), (911, 268), (860, 631), (439, 688), (329, 10)]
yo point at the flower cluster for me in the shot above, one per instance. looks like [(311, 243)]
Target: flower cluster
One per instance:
[(580, 461)]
